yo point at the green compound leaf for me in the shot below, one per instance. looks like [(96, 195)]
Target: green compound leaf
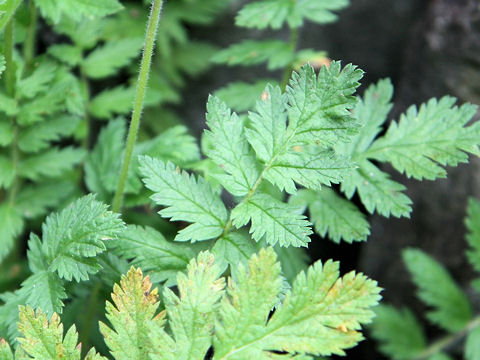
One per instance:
[(319, 107), (308, 166), (106, 60), (11, 225), (333, 215), (241, 96), (230, 149), (274, 13), (77, 9), (43, 339), (375, 188), (191, 315), (451, 309), (473, 237), (50, 102), (273, 219), (377, 191), (7, 172), (276, 53), (118, 100), (186, 199), (102, 167), (38, 81), (38, 137), (50, 163), (68, 54), (318, 116), (36, 200), (44, 290), (75, 236), (321, 315), (8, 105), (371, 111), (426, 139), (6, 132), (133, 310), (400, 335)]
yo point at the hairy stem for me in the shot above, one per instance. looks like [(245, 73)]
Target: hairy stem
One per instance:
[(447, 341), (29, 45), (289, 69), (139, 99)]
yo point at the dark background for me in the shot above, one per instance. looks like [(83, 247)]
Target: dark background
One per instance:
[(429, 49)]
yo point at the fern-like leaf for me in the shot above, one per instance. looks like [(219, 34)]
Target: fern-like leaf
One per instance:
[(276, 53), (451, 309), (43, 339), (191, 315), (375, 188), (230, 149), (273, 219), (187, 198), (400, 335), (104, 61), (423, 140), (321, 315), (274, 13), (73, 237), (134, 306), (334, 215), (77, 9)]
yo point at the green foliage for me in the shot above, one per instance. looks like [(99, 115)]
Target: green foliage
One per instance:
[(451, 308), (472, 222), (236, 209), (424, 139), (399, 332), (104, 61), (374, 187), (235, 320), (333, 215), (273, 13), (71, 243), (7, 10), (186, 199), (472, 345), (276, 52), (297, 326), (77, 9)]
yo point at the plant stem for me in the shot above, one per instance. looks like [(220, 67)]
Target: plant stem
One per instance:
[(29, 45), (139, 99), (10, 91), (86, 95), (448, 340), (293, 46), (10, 68)]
